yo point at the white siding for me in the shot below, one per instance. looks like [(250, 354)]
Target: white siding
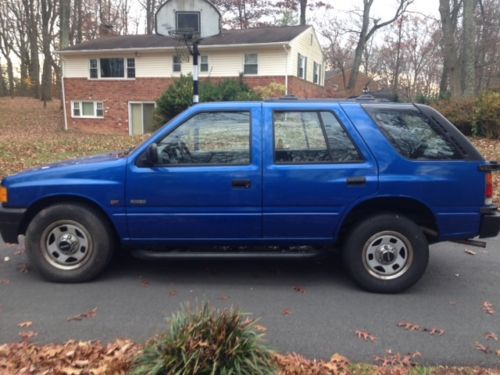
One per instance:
[(76, 67), (222, 63), (302, 44)]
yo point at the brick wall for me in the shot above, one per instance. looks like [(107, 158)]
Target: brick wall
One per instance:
[(116, 94)]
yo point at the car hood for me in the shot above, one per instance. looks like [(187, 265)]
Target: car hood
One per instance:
[(87, 166)]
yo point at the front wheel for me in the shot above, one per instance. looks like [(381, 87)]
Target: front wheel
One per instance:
[(386, 253), (69, 243)]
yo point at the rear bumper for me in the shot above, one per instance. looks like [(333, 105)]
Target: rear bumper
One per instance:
[(10, 220), (490, 222)]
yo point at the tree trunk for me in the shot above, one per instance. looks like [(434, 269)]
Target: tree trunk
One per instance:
[(32, 27), (10, 76), (47, 9), (451, 71), (469, 49)]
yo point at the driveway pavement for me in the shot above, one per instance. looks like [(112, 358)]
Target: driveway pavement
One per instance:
[(317, 318)]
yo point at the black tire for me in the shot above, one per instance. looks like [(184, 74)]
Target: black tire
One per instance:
[(392, 265), (69, 243)]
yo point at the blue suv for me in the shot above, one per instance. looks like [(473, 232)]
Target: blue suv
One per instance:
[(381, 181)]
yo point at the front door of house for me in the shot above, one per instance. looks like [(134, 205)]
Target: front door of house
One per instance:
[(141, 118)]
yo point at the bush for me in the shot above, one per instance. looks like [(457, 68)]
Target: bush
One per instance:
[(273, 90), (474, 116), (487, 114), (179, 96), (459, 111), (207, 341)]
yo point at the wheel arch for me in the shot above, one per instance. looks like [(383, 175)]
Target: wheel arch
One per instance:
[(45, 202), (413, 209)]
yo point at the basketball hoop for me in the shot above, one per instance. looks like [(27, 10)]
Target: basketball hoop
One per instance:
[(188, 22)]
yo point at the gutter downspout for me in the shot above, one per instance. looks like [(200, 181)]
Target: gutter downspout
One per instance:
[(63, 93), (287, 49)]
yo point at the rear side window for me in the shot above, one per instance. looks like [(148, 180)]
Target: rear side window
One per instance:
[(414, 135), (311, 137)]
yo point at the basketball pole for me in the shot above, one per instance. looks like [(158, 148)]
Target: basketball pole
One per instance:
[(196, 70)]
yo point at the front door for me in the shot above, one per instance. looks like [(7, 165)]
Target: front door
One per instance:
[(206, 184), (315, 167)]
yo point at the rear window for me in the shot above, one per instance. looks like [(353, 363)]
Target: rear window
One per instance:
[(414, 136)]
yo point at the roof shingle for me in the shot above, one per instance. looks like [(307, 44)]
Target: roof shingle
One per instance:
[(226, 37)]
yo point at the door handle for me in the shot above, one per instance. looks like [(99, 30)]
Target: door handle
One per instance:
[(356, 180), (241, 184)]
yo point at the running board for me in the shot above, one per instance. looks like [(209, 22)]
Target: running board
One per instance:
[(154, 255), (471, 243)]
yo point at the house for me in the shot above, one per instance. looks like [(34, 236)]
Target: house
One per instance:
[(111, 84)]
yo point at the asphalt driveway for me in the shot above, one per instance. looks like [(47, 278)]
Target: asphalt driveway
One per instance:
[(310, 307)]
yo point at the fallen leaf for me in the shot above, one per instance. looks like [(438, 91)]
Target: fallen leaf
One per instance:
[(27, 335), (470, 252), (482, 348), (172, 293), (363, 335), (26, 324), (409, 326), (299, 289), (488, 308), (498, 353), (86, 315), (145, 283), (491, 336), (436, 332), (4, 282), (259, 328), (224, 297), (23, 268), (286, 312)]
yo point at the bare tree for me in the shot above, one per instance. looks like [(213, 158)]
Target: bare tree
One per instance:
[(469, 48), (368, 27), (48, 16), (31, 16), (6, 43), (450, 77), (64, 23), (150, 8)]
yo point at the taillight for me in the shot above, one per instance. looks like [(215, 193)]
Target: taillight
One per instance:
[(489, 189)]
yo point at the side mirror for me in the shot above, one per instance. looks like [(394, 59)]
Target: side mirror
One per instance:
[(152, 154)]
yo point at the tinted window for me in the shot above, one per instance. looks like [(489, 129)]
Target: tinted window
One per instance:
[(414, 135), (311, 137), (112, 68), (208, 138)]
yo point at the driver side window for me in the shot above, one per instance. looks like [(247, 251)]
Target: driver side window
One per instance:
[(213, 138)]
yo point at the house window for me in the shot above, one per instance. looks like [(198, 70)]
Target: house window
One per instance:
[(204, 64), (130, 68), (317, 73), (93, 69), (302, 66), (112, 68), (251, 64), (87, 109), (176, 67), (187, 21)]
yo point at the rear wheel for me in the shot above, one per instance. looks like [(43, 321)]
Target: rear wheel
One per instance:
[(69, 243), (386, 253)]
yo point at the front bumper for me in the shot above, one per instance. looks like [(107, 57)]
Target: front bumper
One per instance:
[(10, 222), (490, 222)]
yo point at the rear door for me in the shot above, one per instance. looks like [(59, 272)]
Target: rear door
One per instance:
[(315, 167)]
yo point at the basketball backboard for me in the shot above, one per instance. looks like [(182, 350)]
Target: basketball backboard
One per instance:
[(200, 18)]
